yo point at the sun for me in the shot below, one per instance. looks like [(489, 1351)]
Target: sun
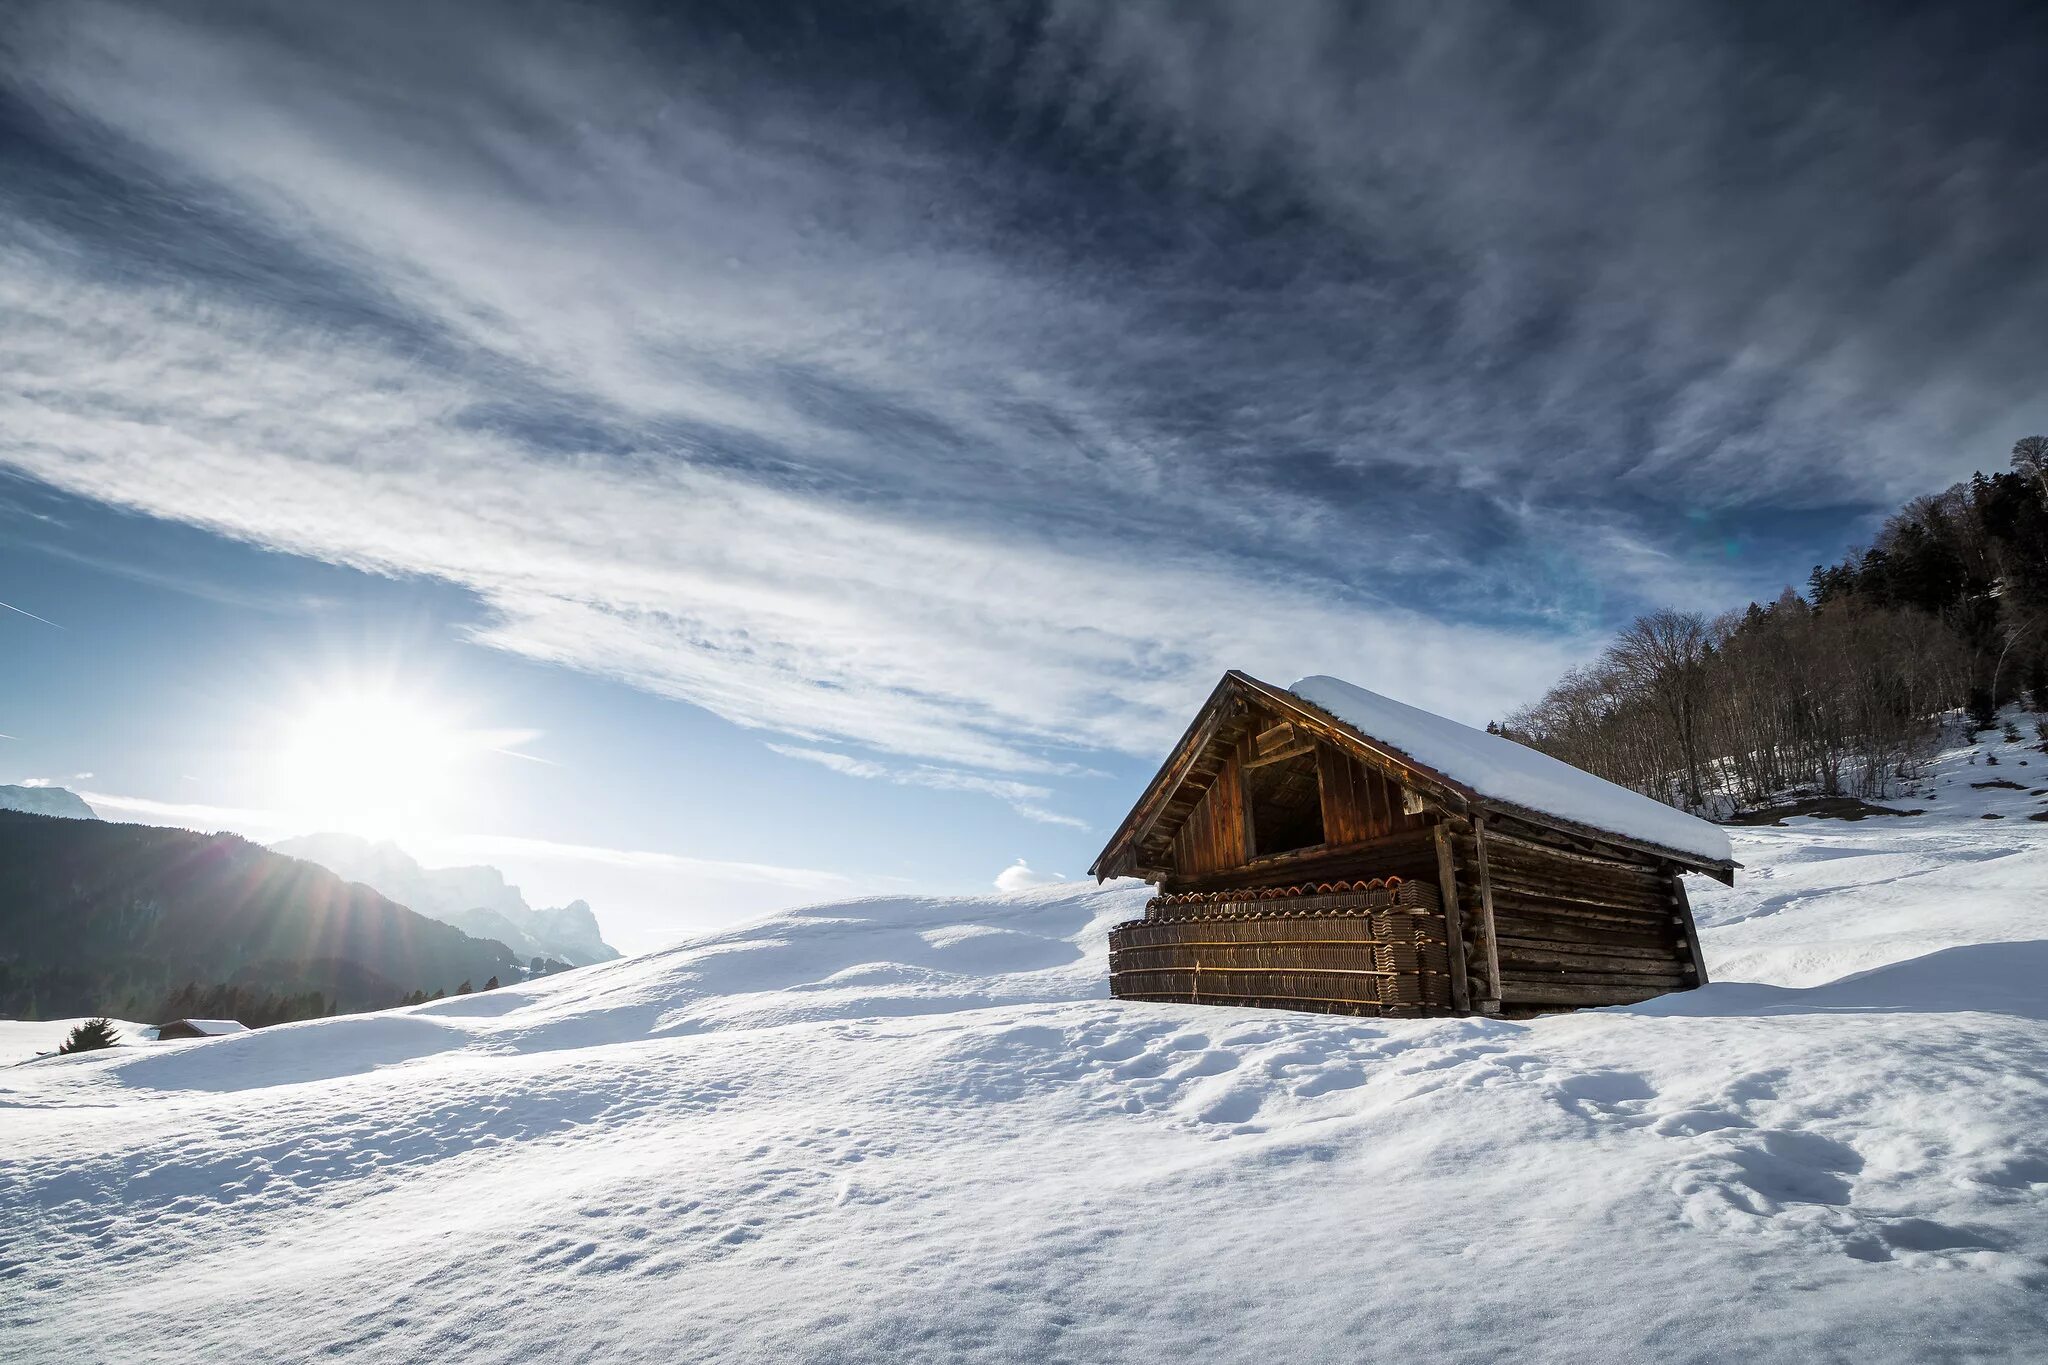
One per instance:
[(369, 761)]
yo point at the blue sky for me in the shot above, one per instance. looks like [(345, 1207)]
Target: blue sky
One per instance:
[(842, 442)]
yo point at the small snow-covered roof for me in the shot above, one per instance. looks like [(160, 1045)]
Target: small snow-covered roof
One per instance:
[(212, 1028), (1502, 770)]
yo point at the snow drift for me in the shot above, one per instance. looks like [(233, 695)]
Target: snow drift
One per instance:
[(915, 1129)]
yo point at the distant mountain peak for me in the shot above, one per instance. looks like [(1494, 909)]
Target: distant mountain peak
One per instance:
[(40, 800), (475, 899)]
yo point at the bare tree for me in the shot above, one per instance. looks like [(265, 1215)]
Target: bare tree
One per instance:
[(2030, 458), (1663, 657)]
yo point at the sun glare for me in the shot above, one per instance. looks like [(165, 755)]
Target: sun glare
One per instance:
[(369, 762)]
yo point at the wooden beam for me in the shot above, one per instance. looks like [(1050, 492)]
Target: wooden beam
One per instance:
[(1489, 936), (1682, 908), (1264, 759), (1454, 922), (1596, 841), (1306, 715), (1579, 997), (1222, 712)]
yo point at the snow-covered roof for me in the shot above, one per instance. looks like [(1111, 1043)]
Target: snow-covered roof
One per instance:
[(1502, 770), (212, 1028)]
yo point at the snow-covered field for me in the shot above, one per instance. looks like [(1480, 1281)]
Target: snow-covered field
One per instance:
[(915, 1130), (22, 1039)]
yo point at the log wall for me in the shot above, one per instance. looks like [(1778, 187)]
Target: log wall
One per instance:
[(1574, 929)]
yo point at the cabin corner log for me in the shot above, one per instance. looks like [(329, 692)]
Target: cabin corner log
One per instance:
[(1489, 936), (1688, 927), (1281, 839)]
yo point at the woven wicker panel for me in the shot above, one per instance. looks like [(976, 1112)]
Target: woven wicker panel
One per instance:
[(1296, 900), (1392, 959)]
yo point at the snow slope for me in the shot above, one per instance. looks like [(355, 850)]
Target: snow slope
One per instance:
[(22, 1039), (907, 1130)]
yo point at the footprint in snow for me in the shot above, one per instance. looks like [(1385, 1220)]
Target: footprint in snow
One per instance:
[(1336, 1078), (1214, 1062), (1240, 1105)]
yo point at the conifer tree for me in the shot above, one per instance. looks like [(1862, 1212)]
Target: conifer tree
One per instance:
[(91, 1036)]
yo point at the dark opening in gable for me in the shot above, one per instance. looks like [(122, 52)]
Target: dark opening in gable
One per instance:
[(1285, 803)]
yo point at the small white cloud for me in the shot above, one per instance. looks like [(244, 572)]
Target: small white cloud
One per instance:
[(36, 782), (1022, 797), (1020, 875), (1047, 817), (81, 777)]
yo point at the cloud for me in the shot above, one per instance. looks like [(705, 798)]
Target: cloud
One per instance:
[(81, 777), (770, 607), (1019, 876), (1021, 797), (1400, 345), (810, 880), (251, 822)]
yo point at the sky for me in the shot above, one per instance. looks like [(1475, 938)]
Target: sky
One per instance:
[(750, 452)]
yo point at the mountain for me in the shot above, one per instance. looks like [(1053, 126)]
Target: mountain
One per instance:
[(911, 1129), (111, 918), (476, 900), (46, 801)]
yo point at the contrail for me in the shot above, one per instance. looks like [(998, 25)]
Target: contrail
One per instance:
[(31, 615), (530, 758)]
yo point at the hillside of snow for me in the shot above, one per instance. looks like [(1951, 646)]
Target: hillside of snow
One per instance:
[(914, 1129)]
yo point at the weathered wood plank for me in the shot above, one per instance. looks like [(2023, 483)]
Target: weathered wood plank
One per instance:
[(1489, 932), (1527, 890), (1670, 981), (1597, 948), (1577, 997), (1515, 923), (1688, 928), (1576, 856), (1406, 855), (1520, 961), (1560, 908), (1487, 998)]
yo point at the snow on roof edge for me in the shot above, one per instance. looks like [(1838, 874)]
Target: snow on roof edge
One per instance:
[(210, 1026), (1503, 770)]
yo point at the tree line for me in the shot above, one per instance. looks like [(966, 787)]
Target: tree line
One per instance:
[(1839, 690)]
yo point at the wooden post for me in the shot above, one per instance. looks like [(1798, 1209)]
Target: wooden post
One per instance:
[(1682, 912), (1489, 941), (1454, 922)]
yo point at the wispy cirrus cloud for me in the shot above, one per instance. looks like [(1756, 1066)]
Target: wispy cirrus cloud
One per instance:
[(1025, 798), (986, 412)]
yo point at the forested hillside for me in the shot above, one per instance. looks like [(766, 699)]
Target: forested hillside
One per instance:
[(1836, 690), (122, 919)]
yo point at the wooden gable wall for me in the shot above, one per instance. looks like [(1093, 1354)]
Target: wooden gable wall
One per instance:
[(1360, 803), (1216, 835)]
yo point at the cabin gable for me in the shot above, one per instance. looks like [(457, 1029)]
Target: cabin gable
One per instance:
[(1263, 787)]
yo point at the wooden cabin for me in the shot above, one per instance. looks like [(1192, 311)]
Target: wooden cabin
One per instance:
[(1322, 847), (199, 1028)]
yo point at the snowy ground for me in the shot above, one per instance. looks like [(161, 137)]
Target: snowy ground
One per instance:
[(914, 1130), (22, 1039)]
